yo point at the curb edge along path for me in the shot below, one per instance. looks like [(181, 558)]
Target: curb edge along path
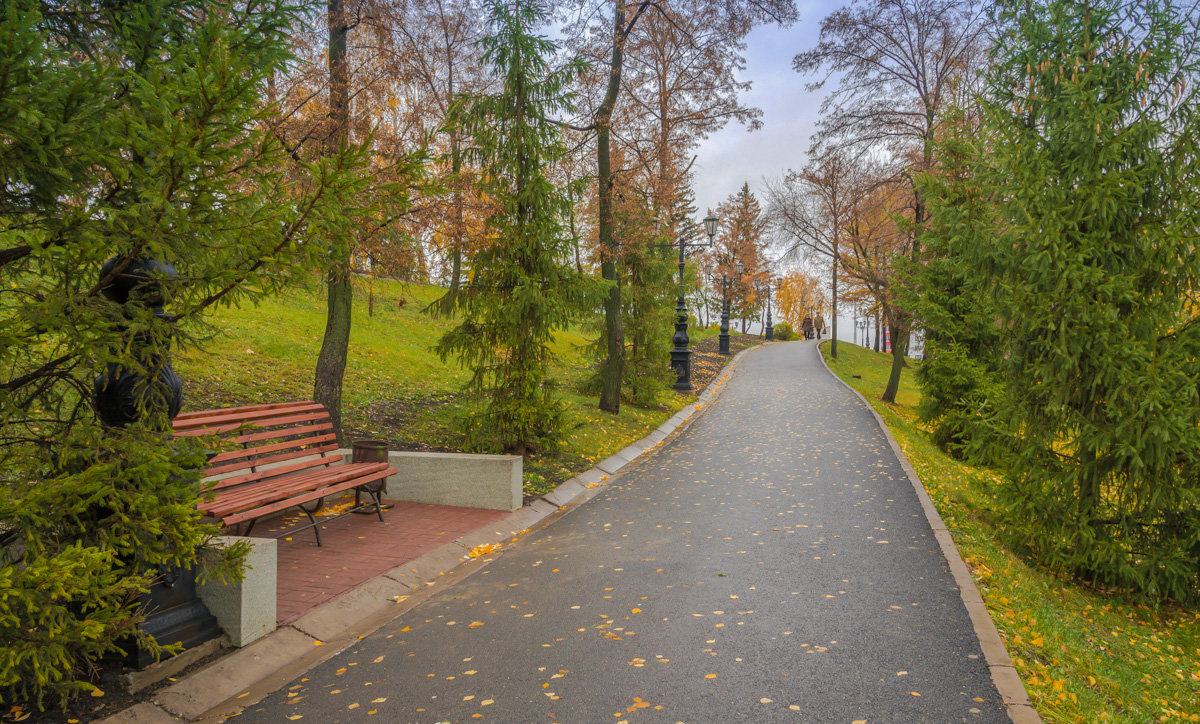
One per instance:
[(245, 676), (1004, 674)]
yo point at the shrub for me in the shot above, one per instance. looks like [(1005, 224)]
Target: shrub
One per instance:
[(783, 332), (132, 131)]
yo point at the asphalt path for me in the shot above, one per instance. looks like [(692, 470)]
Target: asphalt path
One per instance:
[(770, 563)]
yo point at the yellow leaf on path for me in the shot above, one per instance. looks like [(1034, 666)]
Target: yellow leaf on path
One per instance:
[(914, 693), (294, 717), (765, 700), (380, 700), (376, 661), (487, 702), (710, 676), (860, 721), (470, 672), (406, 628), (97, 692), (353, 706), (636, 610), (793, 707), (475, 624), (318, 643)]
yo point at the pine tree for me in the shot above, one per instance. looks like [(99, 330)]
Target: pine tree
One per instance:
[(520, 286), (1094, 164), (963, 344), (132, 131)]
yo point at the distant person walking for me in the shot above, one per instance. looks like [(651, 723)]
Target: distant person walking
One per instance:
[(820, 325), (807, 327)]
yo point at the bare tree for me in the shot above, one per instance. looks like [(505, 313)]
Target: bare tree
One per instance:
[(899, 64), (810, 213), (608, 28)]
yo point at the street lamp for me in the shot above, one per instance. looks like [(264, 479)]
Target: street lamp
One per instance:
[(724, 336), (864, 325), (681, 356), (770, 328)]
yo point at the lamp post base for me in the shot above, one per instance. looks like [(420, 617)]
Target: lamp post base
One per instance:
[(724, 343), (770, 333), (681, 362)]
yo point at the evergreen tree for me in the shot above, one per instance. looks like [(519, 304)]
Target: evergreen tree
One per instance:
[(650, 271), (521, 286), (1094, 165), (132, 131), (963, 341)]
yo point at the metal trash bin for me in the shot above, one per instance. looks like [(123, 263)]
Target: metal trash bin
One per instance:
[(369, 451)]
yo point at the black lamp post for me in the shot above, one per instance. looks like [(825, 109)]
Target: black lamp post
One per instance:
[(724, 336), (770, 327), (681, 356)]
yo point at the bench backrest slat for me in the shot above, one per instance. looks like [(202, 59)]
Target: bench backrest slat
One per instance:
[(188, 416), (271, 440), (260, 450), (282, 470)]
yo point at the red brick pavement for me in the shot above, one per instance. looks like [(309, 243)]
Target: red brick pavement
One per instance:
[(357, 548)]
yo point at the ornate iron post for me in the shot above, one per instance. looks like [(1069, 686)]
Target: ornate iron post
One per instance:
[(681, 356), (770, 327), (724, 336)]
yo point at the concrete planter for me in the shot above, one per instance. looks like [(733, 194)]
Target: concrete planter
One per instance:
[(245, 610), (492, 482)]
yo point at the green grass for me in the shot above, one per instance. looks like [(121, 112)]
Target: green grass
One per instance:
[(1084, 655), (395, 385)]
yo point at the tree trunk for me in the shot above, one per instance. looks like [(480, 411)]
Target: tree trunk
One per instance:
[(331, 362), (833, 321), (877, 330), (456, 239), (899, 347), (613, 368)]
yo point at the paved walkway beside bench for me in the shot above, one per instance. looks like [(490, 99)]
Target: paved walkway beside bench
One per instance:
[(770, 563)]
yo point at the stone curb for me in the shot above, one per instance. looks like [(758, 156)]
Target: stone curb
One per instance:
[(1004, 674), (212, 693)]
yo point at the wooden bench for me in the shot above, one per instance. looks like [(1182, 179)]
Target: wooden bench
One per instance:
[(287, 458)]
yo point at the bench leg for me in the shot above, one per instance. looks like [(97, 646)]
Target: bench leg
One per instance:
[(377, 496), (315, 526)]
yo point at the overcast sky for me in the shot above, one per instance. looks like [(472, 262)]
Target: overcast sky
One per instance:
[(735, 155)]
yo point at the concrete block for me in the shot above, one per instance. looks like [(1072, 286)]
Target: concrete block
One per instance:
[(564, 493), (492, 482), (431, 565), (1010, 686), (591, 477), (612, 463), (144, 713), (1023, 714), (655, 437), (633, 452), (135, 681), (229, 676), (352, 611), (245, 610), (481, 537)]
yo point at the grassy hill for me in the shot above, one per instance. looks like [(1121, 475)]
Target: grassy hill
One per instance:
[(396, 388)]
